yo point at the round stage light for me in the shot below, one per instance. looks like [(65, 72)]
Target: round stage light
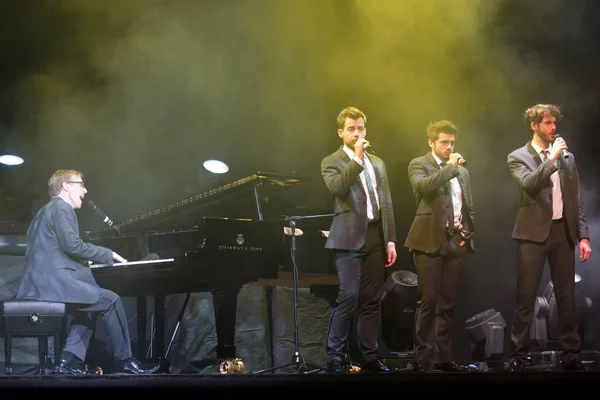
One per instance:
[(9, 159), (216, 166)]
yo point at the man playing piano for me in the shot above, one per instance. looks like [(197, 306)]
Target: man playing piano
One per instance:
[(57, 269)]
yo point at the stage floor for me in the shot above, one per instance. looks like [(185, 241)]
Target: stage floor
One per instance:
[(291, 384)]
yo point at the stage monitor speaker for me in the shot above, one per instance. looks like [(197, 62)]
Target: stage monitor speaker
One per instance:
[(398, 308)]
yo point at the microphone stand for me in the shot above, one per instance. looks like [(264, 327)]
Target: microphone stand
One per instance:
[(296, 359)]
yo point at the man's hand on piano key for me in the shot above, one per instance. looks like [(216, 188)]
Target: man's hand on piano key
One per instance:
[(118, 258)]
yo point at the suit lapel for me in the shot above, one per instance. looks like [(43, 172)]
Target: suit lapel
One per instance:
[(537, 160), (461, 181), (562, 166), (534, 154), (429, 158), (375, 169), (342, 155)]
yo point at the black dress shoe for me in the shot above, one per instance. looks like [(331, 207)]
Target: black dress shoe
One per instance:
[(74, 367), (375, 366), (133, 366), (451, 367), (575, 365), (334, 367)]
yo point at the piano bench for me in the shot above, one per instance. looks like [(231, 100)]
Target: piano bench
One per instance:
[(32, 318)]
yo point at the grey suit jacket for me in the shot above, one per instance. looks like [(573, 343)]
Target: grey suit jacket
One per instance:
[(349, 225), (534, 218), (429, 225), (56, 267)]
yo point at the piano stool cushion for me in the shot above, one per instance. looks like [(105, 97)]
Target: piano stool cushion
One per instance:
[(32, 317)]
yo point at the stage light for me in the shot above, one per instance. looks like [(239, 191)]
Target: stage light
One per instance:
[(398, 308), (486, 332), (212, 170), (544, 327), (9, 159), (216, 166)]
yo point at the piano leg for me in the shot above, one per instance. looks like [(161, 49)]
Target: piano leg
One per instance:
[(159, 323), (140, 305), (225, 303), (157, 337), (157, 341), (179, 319)]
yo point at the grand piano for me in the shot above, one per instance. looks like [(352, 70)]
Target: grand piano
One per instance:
[(184, 247)]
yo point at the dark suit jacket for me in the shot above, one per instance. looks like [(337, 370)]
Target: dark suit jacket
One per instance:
[(349, 226), (534, 218), (429, 225), (56, 267)]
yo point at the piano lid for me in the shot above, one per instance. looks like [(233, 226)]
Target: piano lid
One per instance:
[(258, 187)]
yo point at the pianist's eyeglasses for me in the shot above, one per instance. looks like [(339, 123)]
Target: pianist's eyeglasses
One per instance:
[(78, 182)]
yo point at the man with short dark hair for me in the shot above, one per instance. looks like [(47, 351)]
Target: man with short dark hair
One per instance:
[(439, 238), (57, 268), (362, 238)]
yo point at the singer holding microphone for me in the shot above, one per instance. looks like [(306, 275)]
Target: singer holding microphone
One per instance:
[(439, 238), (550, 223), (362, 238), (57, 269)]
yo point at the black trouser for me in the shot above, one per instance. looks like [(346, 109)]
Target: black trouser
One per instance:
[(531, 259), (360, 274), (109, 311), (439, 277)]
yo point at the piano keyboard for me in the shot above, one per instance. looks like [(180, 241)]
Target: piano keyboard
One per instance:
[(129, 263)]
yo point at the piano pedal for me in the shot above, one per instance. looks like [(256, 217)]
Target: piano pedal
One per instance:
[(164, 366)]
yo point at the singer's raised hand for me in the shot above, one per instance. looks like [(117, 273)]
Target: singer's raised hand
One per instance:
[(454, 158), (360, 146), (558, 147)]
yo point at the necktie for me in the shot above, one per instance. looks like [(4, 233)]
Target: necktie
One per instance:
[(371, 193), (557, 202), (448, 189), (545, 154)]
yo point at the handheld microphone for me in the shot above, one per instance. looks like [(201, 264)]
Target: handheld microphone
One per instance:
[(99, 212), (564, 152), (367, 147), (462, 161)]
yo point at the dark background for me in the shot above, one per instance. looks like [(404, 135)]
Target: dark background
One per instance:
[(137, 94)]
